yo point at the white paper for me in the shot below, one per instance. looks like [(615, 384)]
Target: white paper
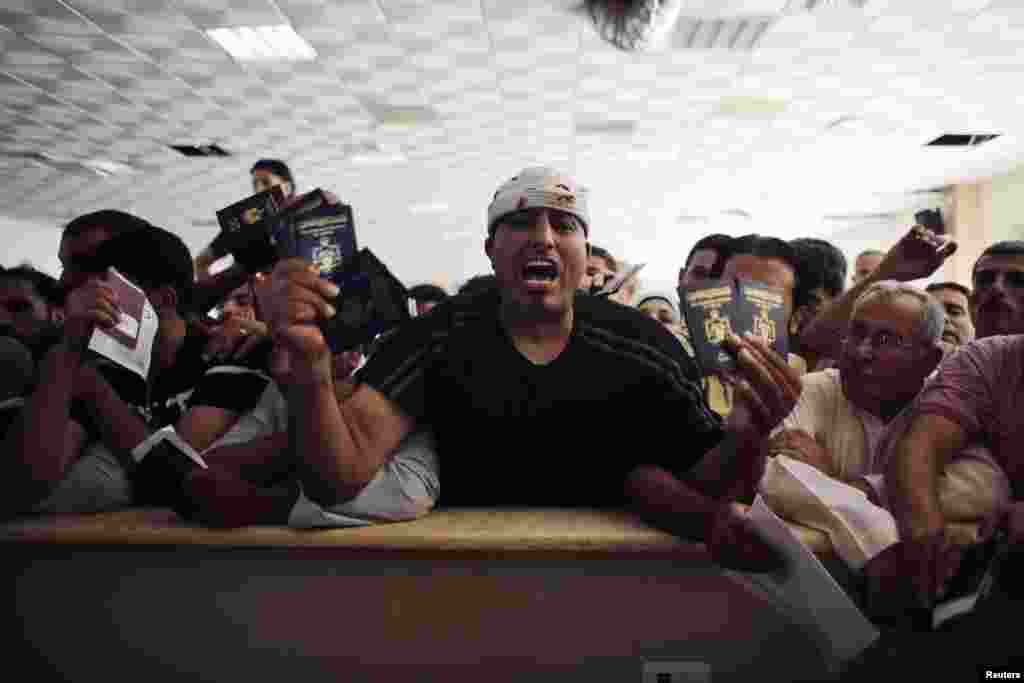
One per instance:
[(809, 592), (135, 359), (857, 528), (617, 282), (167, 434)]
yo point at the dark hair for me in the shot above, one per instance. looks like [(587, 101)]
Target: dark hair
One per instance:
[(821, 265), (603, 253), (48, 288), (774, 248), (275, 166), (477, 285), (427, 292), (1005, 248), (955, 286), (113, 221), (718, 243), (151, 258)]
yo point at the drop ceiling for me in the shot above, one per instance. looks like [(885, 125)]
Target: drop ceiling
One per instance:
[(827, 114)]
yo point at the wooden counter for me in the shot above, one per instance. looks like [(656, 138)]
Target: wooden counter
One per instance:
[(500, 595)]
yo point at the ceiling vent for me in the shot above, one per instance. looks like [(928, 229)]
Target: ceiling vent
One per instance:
[(737, 34), (962, 139), (201, 150)]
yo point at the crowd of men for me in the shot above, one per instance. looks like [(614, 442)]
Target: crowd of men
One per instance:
[(904, 393)]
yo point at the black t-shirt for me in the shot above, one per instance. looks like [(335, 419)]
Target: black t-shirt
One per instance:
[(563, 434)]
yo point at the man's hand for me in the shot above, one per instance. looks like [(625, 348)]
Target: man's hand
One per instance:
[(917, 255), (911, 573), (766, 388), (295, 298), (94, 303), (799, 445), (233, 339), (734, 543)]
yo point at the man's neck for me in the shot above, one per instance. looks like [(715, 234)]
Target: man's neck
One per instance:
[(169, 341), (540, 340)]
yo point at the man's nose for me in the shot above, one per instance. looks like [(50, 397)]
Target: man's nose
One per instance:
[(541, 230)]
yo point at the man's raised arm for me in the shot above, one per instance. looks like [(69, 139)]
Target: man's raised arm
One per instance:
[(918, 254), (338, 445)]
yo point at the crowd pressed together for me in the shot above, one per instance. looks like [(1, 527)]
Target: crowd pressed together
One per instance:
[(526, 388)]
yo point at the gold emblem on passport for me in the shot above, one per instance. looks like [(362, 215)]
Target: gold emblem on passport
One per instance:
[(764, 326), (716, 328), (327, 256), (251, 216)]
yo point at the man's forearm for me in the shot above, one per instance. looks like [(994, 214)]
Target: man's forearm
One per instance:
[(121, 428), (39, 446), (670, 504), (912, 478), (326, 449), (823, 334)]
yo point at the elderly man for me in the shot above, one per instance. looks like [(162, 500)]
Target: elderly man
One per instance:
[(891, 347), (974, 399), (531, 363)]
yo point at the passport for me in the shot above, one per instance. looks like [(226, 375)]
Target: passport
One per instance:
[(713, 309), (247, 228), (710, 309), (324, 236)]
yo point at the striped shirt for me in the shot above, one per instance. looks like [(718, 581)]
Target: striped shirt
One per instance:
[(510, 432)]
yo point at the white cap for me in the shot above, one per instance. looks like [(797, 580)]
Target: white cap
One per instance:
[(539, 186)]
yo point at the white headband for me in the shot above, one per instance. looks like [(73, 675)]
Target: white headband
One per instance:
[(539, 187)]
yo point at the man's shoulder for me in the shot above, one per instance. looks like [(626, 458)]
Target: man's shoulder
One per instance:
[(987, 353), (626, 330)]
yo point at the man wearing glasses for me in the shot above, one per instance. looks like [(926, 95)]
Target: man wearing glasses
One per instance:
[(974, 398), (891, 347)]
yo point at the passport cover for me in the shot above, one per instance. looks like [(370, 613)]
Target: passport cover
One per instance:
[(247, 227), (710, 309)]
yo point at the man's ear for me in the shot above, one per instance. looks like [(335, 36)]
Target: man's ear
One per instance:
[(796, 321)]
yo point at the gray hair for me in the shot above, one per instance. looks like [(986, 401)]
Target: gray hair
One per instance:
[(928, 328)]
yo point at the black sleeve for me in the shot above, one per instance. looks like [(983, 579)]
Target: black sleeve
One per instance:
[(680, 398), (229, 387), (8, 414), (402, 361)]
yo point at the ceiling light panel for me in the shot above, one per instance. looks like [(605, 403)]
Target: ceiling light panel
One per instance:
[(263, 43)]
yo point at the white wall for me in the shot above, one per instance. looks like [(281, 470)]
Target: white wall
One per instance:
[(30, 241)]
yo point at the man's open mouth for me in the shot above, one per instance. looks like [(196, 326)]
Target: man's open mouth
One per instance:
[(540, 271)]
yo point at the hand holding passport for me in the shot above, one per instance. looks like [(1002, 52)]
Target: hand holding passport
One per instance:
[(263, 229)]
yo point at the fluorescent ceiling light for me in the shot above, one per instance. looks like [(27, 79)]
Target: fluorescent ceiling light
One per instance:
[(436, 207), (263, 43), (377, 159), (106, 168)]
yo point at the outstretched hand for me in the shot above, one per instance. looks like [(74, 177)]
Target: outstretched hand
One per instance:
[(917, 255)]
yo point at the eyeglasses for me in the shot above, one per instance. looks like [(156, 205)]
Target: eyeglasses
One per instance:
[(983, 279), (881, 342)]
